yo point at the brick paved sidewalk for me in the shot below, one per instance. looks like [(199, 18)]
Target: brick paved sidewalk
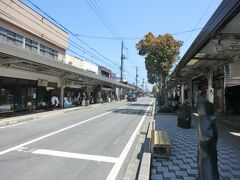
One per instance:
[(183, 160)]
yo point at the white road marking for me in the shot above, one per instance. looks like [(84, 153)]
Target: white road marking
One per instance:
[(56, 132), (116, 168), (76, 155)]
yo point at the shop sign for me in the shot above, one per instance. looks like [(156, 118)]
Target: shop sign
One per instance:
[(73, 83), (42, 82)]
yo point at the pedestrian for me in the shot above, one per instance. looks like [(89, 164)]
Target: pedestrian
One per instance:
[(54, 101)]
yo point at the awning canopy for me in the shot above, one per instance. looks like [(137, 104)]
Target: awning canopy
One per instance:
[(18, 58), (216, 45)]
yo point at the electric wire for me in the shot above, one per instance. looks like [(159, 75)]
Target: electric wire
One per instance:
[(199, 20), (71, 43), (108, 20), (132, 38), (103, 18), (66, 29)]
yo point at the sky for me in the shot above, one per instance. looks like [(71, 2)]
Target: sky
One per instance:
[(99, 26)]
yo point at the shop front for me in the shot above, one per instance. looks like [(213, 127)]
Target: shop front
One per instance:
[(19, 94), (106, 93), (95, 94), (232, 88), (74, 93), (45, 91), (22, 94), (218, 89), (199, 86)]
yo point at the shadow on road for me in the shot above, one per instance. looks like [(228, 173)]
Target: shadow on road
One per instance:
[(130, 111)]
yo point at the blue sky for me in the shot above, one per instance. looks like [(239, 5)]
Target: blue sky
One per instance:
[(131, 19)]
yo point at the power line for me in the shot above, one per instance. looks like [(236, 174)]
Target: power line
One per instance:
[(37, 32), (200, 20), (111, 25), (131, 38), (71, 42), (66, 29), (103, 18)]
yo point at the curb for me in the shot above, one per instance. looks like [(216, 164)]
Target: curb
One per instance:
[(145, 166), (29, 117), (139, 159)]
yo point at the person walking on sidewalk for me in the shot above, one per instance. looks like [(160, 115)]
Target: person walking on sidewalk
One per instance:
[(54, 101)]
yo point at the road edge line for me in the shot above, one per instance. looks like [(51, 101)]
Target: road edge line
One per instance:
[(117, 166)]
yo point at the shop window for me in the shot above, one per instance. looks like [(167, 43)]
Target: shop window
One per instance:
[(48, 52), (9, 81), (6, 96), (31, 45)]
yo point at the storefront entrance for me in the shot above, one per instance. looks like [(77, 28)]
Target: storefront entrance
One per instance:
[(18, 93), (232, 96), (44, 95)]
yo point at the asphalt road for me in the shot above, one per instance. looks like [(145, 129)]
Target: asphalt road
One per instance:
[(91, 143)]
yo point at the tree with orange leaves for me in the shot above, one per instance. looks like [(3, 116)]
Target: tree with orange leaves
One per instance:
[(160, 54)]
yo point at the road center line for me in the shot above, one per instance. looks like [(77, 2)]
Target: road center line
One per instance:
[(76, 155), (56, 132), (116, 168)]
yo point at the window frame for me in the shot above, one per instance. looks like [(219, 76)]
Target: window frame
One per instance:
[(31, 45)]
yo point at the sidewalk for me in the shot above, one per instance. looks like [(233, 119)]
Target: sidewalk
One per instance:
[(183, 159), (21, 117), (4, 121)]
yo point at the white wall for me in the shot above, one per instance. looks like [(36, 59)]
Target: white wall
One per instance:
[(74, 61), (90, 67), (80, 64)]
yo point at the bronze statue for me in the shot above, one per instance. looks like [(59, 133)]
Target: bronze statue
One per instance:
[(207, 147)]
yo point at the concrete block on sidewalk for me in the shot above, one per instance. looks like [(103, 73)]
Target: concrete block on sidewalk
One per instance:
[(144, 171)]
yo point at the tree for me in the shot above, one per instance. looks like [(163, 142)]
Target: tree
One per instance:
[(160, 54)]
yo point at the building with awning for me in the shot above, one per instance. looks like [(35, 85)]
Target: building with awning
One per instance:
[(211, 66), (32, 52)]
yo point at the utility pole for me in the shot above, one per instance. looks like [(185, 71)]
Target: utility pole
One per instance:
[(136, 76), (121, 68)]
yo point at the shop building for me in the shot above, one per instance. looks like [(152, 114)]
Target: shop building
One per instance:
[(25, 84), (76, 91), (210, 67), (32, 52)]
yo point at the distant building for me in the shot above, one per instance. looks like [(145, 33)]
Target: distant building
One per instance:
[(103, 71), (79, 63), (90, 67), (74, 61), (114, 76)]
